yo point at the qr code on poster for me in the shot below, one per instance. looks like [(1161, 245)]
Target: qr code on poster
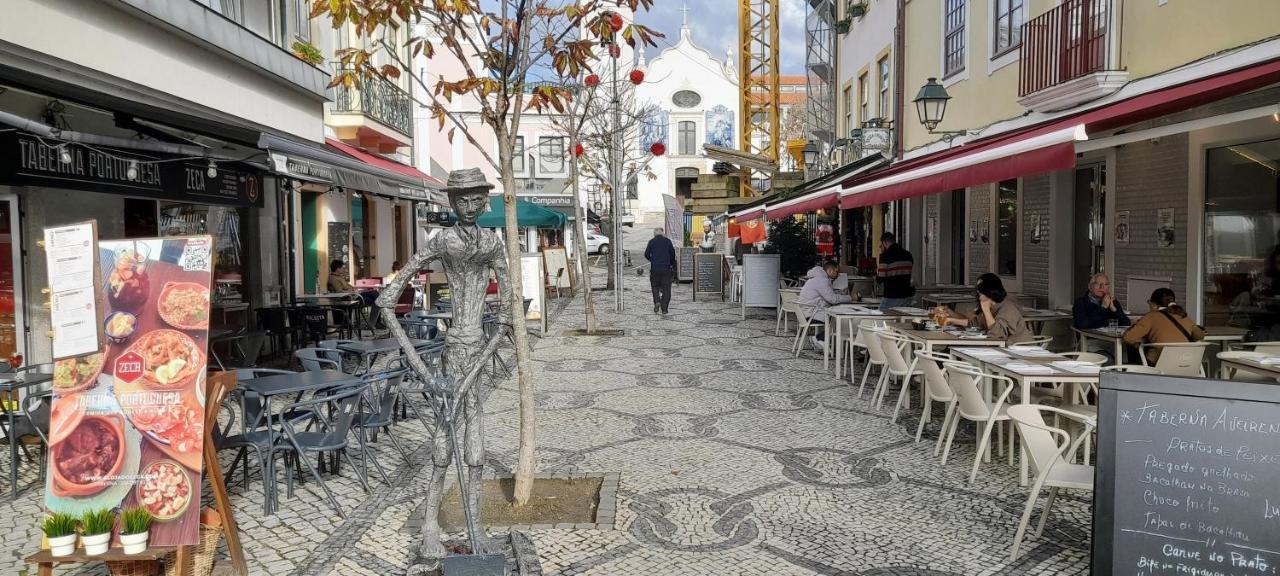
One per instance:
[(196, 255)]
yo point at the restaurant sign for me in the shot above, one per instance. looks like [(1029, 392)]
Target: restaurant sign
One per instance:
[(562, 203), (126, 428), (27, 161)]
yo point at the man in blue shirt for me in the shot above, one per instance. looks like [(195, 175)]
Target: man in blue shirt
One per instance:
[(661, 255), (1096, 309)]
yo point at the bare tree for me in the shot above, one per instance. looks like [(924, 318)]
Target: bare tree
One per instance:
[(501, 50)]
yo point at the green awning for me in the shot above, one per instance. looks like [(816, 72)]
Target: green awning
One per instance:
[(528, 215)]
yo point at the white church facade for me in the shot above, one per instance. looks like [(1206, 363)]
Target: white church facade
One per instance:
[(697, 100)]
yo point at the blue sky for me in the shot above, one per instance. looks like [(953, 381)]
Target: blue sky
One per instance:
[(714, 24)]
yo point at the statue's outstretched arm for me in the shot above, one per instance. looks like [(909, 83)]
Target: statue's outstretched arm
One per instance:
[(390, 295)]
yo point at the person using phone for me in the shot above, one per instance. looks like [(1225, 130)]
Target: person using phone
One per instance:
[(997, 314)]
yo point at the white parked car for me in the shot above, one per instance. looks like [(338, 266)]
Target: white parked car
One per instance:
[(597, 244), (628, 219)]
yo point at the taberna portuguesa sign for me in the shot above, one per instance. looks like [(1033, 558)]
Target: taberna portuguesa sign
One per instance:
[(27, 161)]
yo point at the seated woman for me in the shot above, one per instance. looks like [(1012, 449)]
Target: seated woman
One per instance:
[(1166, 323), (997, 314)]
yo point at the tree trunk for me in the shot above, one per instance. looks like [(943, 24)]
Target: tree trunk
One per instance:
[(525, 467), (579, 233), (614, 254)]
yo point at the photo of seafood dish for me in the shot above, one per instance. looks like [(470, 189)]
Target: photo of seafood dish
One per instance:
[(184, 305), (164, 490), (72, 375), (178, 426), (89, 456), (170, 359)]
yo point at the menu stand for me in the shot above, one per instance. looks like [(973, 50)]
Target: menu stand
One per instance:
[(217, 386)]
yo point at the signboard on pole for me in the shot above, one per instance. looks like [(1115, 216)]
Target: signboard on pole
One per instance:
[(75, 316), (127, 423), (673, 221), (760, 275), (1185, 475)]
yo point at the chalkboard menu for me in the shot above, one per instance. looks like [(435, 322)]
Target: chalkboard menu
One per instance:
[(684, 272), (339, 241), (708, 274), (1186, 476)]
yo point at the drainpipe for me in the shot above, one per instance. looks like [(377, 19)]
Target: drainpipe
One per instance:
[(899, 77)]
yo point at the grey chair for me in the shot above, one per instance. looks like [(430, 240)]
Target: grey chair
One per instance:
[(378, 415), (332, 414), (317, 359)]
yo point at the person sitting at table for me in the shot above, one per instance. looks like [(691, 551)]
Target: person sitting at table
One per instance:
[(818, 294), (338, 282), (997, 314), (1166, 323), (1095, 309)]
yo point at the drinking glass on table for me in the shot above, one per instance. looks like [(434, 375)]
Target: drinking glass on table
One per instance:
[(1112, 325)]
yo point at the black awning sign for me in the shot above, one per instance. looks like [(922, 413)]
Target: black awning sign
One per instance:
[(25, 160)]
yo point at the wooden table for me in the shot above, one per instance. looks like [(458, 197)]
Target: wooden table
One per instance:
[(1024, 379)]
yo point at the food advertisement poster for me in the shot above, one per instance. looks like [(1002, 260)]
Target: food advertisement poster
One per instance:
[(127, 424)]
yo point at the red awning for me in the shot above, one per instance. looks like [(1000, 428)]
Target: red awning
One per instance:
[(813, 204), (1011, 154), (381, 162), (752, 215)]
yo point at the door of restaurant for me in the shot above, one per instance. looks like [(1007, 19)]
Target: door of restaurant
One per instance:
[(1090, 224), (12, 325), (958, 239)]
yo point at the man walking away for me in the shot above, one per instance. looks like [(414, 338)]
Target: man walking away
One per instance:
[(894, 273), (661, 255)]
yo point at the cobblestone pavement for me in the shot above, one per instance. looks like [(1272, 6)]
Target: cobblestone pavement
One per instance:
[(734, 458)]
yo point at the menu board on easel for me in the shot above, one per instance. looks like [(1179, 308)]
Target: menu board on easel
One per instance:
[(555, 261), (1186, 471), (534, 288), (127, 423), (760, 274), (708, 275), (684, 271), (74, 289)]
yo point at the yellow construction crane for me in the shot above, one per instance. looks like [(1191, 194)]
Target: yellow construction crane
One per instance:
[(758, 82)]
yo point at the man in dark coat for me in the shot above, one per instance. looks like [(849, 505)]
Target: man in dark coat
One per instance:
[(661, 255)]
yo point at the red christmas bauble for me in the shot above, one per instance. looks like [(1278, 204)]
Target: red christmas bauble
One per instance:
[(615, 50), (615, 21), (637, 76), (658, 149), (592, 81), (578, 150)]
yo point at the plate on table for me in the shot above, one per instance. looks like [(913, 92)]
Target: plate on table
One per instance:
[(175, 426)]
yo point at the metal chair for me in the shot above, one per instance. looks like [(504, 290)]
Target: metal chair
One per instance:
[(1047, 448), (382, 392), (317, 359), (332, 413)]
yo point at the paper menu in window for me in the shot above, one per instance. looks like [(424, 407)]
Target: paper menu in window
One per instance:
[(71, 257)]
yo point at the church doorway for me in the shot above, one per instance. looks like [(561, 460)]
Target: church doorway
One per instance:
[(685, 177)]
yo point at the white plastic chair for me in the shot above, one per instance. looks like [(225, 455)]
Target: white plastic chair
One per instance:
[(859, 341), (1047, 448), (1269, 348), (900, 364), (786, 305), (806, 320), (1041, 341), (973, 405), (1088, 357), (1178, 359), (1131, 369), (936, 389), (1241, 374)]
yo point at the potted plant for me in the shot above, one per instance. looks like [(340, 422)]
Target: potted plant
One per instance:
[(135, 527), (95, 527), (60, 530), (306, 52)]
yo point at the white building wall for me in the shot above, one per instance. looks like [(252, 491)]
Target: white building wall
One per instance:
[(869, 39)]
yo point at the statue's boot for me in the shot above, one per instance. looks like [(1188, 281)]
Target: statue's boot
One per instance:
[(430, 548), (475, 484)]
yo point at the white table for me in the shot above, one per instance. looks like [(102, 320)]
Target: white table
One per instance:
[(1113, 335), (1270, 367), (1037, 318), (837, 317), (1024, 380), (941, 339)]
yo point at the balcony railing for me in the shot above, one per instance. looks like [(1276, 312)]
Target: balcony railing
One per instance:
[(1065, 43), (379, 99)]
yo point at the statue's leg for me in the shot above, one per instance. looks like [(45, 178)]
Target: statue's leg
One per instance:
[(473, 455), (430, 549)]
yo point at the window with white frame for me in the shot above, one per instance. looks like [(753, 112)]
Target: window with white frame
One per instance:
[(551, 154), (848, 108), (1008, 26), (953, 37), (687, 131), (864, 98), (883, 66), (517, 156), (292, 21)]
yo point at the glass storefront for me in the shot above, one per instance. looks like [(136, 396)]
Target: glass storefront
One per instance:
[(1242, 238), (224, 223), (8, 288)]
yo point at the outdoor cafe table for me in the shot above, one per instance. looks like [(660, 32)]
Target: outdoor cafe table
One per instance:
[(268, 387), (1037, 318), (369, 350), (1028, 366), (1224, 336), (939, 339), (948, 299), (9, 385), (1269, 366), (841, 314)]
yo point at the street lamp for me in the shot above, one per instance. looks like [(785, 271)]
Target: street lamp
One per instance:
[(810, 153), (931, 106)]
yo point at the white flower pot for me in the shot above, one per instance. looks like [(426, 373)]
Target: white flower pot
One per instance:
[(62, 545), (134, 543), (96, 544)]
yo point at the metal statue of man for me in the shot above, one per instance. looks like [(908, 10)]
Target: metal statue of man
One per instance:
[(469, 254)]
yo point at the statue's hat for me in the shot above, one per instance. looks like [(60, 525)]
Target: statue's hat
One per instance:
[(467, 179)]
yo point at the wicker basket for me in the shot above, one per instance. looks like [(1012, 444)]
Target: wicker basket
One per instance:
[(200, 562), (134, 568)]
